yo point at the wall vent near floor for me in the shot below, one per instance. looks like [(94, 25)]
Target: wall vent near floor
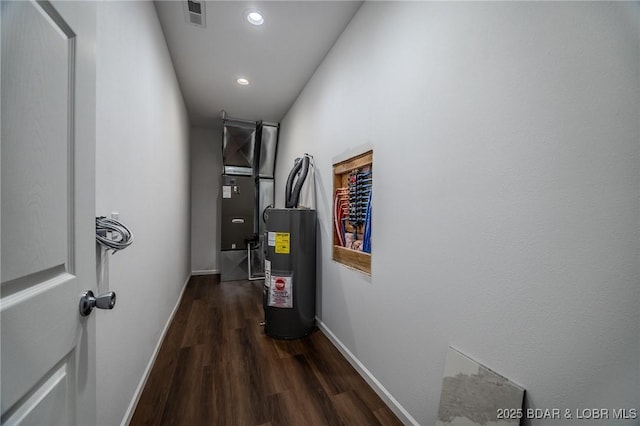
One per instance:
[(194, 13)]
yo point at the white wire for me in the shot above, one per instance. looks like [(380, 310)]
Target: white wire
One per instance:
[(121, 236)]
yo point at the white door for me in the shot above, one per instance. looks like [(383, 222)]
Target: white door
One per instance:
[(47, 211)]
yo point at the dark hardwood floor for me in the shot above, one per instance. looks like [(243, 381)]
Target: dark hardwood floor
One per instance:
[(216, 367)]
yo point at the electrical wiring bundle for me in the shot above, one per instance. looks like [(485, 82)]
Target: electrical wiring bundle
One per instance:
[(112, 235)]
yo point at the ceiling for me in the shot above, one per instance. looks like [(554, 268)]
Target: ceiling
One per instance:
[(278, 57)]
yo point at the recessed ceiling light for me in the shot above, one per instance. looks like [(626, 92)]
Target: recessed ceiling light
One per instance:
[(254, 17), (242, 81)]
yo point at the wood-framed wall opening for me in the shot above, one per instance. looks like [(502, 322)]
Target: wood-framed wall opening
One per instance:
[(352, 190)]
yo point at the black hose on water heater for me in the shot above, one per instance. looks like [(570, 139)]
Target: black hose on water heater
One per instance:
[(292, 175), (292, 193)]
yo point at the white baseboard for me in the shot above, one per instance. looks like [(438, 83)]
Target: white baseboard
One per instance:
[(382, 392), (206, 272), (138, 393)]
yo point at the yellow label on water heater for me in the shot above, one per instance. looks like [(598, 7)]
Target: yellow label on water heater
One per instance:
[(283, 240)]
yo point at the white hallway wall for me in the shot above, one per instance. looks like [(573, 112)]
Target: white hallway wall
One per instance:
[(506, 181), (206, 168), (142, 161)]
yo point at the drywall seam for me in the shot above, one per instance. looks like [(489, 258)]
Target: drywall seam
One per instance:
[(143, 380), (205, 272), (375, 384)]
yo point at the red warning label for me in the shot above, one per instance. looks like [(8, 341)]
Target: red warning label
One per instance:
[(280, 292)]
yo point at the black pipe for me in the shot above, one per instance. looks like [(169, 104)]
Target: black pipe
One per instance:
[(295, 194), (288, 188)]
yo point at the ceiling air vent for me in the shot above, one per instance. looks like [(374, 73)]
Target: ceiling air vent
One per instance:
[(194, 13)]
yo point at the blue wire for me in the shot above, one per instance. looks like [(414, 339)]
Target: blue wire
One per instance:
[(366, 243)]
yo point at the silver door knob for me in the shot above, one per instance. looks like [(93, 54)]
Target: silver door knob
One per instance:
[(88, 301)]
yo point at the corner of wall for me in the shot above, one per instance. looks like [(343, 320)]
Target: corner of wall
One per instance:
[(206, 169)]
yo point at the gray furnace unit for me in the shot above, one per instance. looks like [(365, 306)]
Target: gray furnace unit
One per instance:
[(290, 273), (248, 156)]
